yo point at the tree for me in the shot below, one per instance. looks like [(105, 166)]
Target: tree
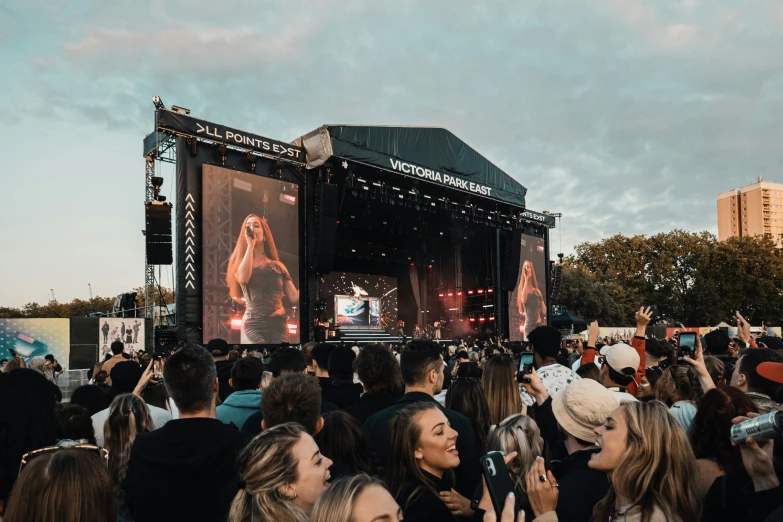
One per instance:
[(80, 307), (692, 277)]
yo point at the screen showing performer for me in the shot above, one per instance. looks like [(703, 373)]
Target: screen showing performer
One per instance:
[(383, 310), (527, 307), (254, 297), (357, 311)]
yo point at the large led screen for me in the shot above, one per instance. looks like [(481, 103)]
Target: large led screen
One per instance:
[(380, 291), (527, 304), (250, 238), (357, 311), (31, 338)]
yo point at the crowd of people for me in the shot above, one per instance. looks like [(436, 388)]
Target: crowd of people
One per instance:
[(603, 430)]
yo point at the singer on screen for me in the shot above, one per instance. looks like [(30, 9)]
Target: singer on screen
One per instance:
[(257, 279), (529, 300)]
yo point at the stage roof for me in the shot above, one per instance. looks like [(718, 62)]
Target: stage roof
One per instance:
[(428, 153)]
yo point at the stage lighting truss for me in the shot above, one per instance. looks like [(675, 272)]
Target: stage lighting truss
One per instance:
[(413, 198)]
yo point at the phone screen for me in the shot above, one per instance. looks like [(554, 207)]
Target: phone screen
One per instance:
[(687, 345), (525, 366)]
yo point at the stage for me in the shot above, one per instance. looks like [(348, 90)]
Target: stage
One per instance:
[(375, 231)]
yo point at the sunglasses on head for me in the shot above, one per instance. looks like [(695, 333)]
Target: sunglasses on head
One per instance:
[(66, 445)]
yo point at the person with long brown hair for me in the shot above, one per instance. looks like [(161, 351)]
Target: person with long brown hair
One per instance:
[(650, 464), (360, 498), (711, 439), (530, 300), (466, 396), (67, 485), (501, 388), (128, 416), (258, 280), (282, 473), (425, 455)]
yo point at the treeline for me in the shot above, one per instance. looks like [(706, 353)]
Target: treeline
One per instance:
[(78, 307), (693, 278)]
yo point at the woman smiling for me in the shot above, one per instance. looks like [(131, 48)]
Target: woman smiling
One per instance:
[(282, 473), (651, 467), (424, 446)]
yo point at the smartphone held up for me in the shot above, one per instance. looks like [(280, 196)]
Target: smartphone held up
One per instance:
[(686, 346), (525, 367)]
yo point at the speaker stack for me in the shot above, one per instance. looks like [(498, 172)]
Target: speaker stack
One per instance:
[(158, 233), (513, 253), (327, 227)]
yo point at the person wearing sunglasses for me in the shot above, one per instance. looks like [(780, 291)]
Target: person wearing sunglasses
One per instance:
[(64, 483)]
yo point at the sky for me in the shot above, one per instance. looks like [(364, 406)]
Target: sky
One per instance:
[(626, 116)]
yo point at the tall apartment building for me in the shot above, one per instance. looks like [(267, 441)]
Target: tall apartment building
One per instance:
[(751, 211)]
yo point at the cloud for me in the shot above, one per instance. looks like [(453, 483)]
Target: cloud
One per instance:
[(626, 116), (41, 62)]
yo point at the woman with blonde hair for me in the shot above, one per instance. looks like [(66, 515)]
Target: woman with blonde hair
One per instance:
[(501, 388), (282, 473), (360, 498), (517, 433), (128, 416), (650, 463), (258, 280)]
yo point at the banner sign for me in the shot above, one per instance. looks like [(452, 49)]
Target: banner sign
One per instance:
[(186, 125), (437, 177), (537, 217)]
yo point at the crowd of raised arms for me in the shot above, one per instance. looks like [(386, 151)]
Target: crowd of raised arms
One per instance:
[(607, 430)]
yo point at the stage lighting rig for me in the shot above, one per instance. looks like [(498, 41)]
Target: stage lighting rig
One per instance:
[(180, 110), (156, 101)]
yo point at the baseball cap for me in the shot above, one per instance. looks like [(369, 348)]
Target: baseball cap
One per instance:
[(218, 345), (621, 358), (582, 406), (772, 371)]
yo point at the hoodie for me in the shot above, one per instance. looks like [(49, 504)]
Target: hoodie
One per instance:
[(183, 471), (239, 406)]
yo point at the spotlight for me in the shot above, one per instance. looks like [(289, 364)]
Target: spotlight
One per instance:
[(156, 101)]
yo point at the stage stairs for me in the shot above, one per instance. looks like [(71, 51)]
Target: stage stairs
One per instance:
[(365, 336)]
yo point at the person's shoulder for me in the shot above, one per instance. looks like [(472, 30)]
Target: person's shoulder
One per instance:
[(101, 415), (382, 416)]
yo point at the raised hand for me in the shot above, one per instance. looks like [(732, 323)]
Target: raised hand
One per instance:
[(743, 328), (757, 459), (698, 365), (593, 331), (643, 318), (536, 387)]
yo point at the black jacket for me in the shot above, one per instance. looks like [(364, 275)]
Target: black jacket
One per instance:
[(342, 394), (580, 487), (223, 375), (732, 498), (183, 471), (467, 473), (419, 504), (370, 404)]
